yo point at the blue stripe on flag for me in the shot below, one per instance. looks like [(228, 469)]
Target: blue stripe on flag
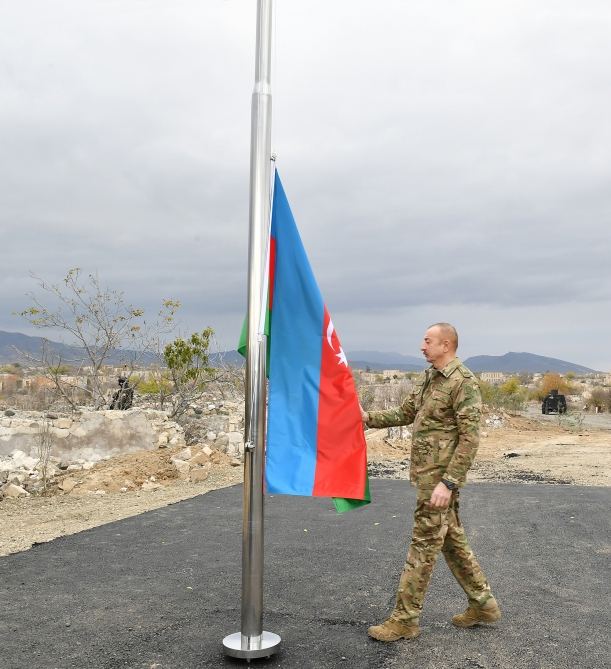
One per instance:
[(296, 335)]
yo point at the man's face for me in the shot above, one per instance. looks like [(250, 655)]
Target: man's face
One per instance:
[(434, 347)]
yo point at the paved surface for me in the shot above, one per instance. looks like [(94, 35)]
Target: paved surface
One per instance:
[(600, 421), (161, 590)]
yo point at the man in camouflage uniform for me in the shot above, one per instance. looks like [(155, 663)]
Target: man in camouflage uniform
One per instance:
[(444, 405)]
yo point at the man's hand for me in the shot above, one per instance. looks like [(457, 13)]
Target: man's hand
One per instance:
[(440, 497), (364, 415)]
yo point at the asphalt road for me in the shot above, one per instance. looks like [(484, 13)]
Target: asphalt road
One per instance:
[(599, 421), (161, 590)]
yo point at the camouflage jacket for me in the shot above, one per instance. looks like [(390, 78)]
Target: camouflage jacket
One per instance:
[(445, 408)]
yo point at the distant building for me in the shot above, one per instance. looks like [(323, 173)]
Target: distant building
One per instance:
[(368, 377), (492, 377), (9, 383), (394, 375)]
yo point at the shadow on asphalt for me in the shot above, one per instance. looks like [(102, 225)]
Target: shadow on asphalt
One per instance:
[(161, 590)]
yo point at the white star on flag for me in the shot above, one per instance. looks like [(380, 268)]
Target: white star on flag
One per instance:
[(342, 357)]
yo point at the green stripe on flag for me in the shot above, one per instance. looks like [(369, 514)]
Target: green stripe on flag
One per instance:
[(341, 504), (243, 343)]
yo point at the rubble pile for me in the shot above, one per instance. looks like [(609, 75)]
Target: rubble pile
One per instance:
[(217, 422), (99, 452), (22, 475)]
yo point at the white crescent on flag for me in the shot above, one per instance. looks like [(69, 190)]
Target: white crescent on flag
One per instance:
[(341, 355)]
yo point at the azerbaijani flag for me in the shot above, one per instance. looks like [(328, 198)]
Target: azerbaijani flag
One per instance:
[(315, 441)]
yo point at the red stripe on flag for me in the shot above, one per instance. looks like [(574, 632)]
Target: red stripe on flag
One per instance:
[(272, 271), (341, 459)]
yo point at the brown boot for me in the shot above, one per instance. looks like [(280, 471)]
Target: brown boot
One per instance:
[(476, 615), (393, 630)]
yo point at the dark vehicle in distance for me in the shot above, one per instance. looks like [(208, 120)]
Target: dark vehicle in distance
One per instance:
[(553, 403)]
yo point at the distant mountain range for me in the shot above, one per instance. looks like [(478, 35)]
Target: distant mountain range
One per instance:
[(523, 362), (12, 342), (380, 360), (17, 347)]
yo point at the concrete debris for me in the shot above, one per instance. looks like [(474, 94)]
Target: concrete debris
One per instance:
[(149, 485), (199, 474), (181, 465), (199, 459), (13, 491), (185, 454), (494, 421), (80, 440), (235, 444), (67, 484)]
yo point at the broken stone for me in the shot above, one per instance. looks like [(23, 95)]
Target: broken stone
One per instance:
[(149, 485), (221, 442), (185, 454), (23, 461), (51, 470), (210, 436), (63, 423), (74, 468), (199, 474), (199, 459), (164, 437), (182, 466), (67, 484), (235, 444), (9, 412), (235, 462), (14, 491), (207, 450)]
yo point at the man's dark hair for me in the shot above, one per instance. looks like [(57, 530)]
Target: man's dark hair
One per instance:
[(449, 332)]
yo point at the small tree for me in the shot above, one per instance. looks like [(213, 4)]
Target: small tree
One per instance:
[(511, 395), (552, 381), (600, 399), (44, 443), (188, 364)]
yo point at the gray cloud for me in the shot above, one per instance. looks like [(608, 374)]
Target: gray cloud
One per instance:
[(443, 162)]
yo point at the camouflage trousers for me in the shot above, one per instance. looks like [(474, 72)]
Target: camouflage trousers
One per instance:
[(437, 530)]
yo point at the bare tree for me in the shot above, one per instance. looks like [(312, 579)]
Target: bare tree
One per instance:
[(101, 326), (44, 443)]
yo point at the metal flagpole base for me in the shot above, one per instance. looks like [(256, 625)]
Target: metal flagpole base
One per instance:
[(249, 648)]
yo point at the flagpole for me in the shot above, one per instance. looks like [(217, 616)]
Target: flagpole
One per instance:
[(252, 641)]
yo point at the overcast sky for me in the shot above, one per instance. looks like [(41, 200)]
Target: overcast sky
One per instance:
[(445, 160)]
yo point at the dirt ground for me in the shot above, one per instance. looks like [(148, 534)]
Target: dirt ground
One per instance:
[(520, 450)]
